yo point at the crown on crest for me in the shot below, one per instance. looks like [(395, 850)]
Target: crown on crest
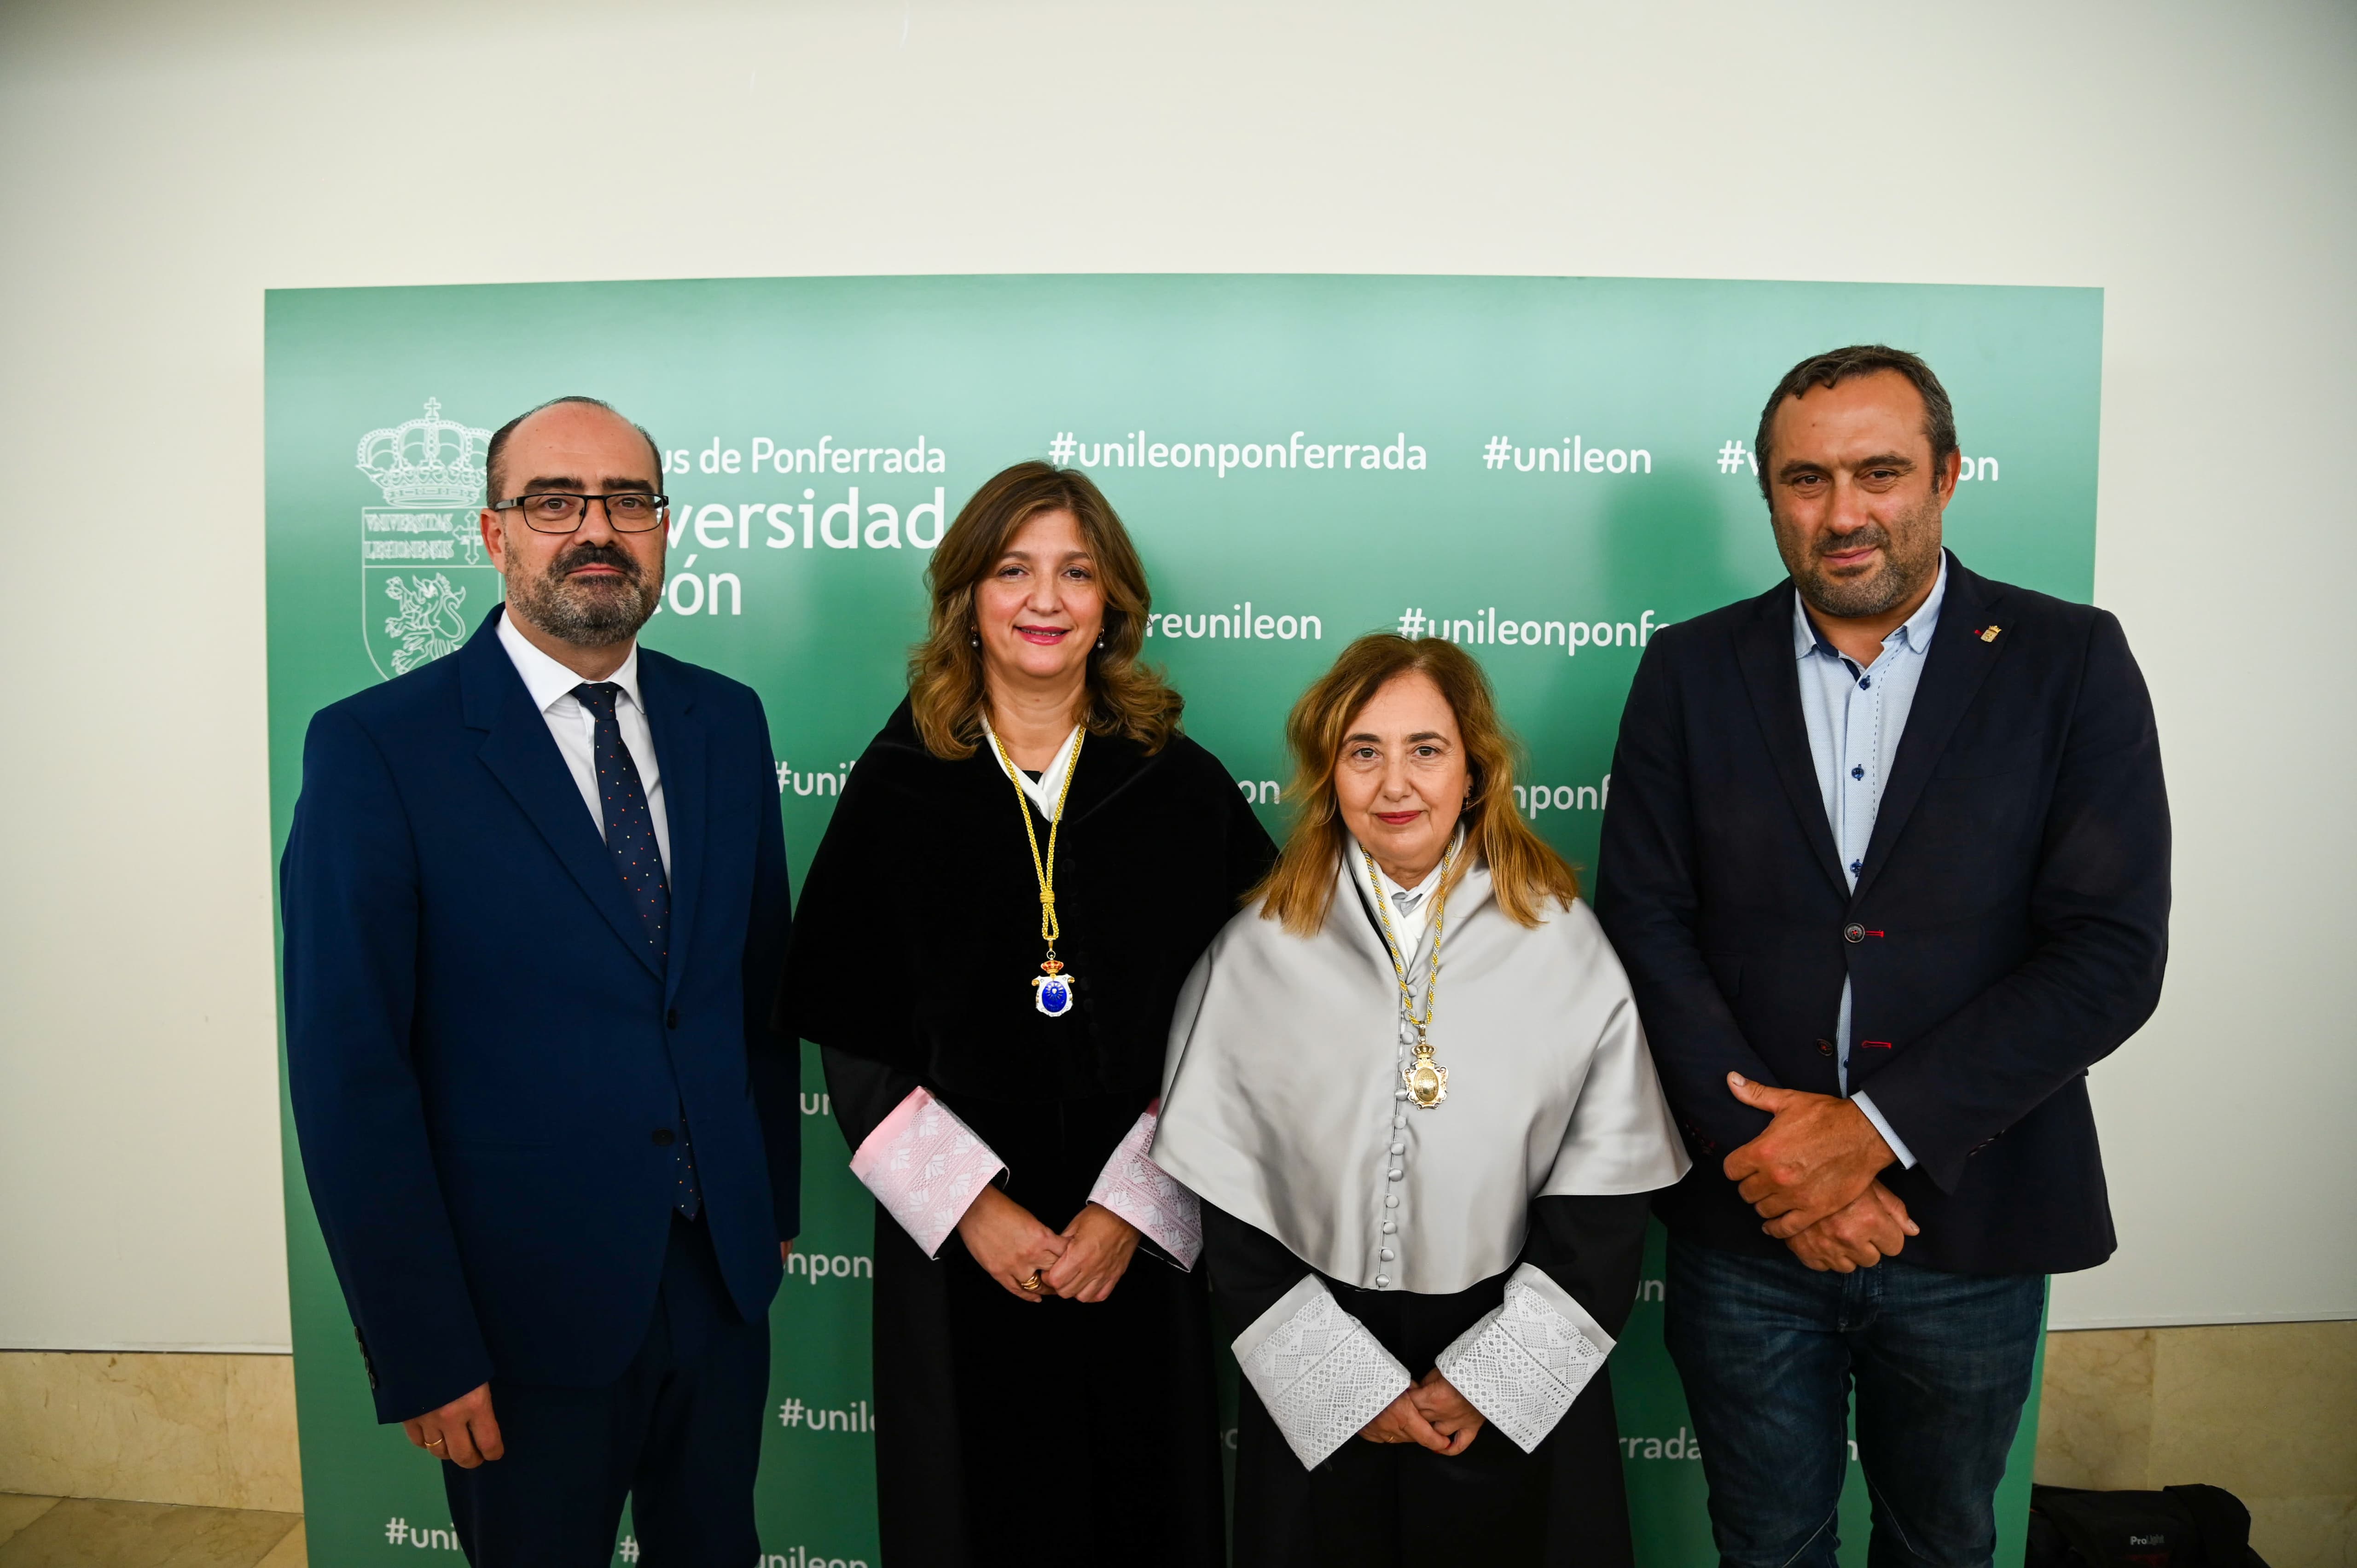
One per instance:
[(428, 461)]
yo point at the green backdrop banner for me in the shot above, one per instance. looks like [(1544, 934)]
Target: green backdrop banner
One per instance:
[(1545, 469)]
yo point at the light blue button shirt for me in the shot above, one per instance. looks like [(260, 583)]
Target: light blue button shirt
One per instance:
[(1856, 716)]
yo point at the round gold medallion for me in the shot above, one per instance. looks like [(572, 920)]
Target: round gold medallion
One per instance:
[(1427, 1085)]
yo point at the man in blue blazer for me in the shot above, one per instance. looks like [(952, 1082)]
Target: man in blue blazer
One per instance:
[(1886, 859), (535, 900)]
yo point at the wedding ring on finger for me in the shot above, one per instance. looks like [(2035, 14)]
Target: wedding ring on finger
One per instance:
[(1032, 1282), (435, 1442)]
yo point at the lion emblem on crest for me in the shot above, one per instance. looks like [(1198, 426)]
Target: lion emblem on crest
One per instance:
[(429, 625)]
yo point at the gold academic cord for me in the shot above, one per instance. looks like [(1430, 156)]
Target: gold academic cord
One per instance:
[(1427, 1084), (1050, 928)]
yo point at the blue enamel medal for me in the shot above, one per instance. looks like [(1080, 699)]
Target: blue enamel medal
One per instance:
[(1051, 988), (1052, 991)]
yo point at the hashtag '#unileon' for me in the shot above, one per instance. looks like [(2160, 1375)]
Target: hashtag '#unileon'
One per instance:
[(1412, 622), (1060, 450), (396, 1531), (1731, 457), (1495, 454), (789, 1413)]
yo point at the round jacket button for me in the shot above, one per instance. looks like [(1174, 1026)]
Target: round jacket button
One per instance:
[(1825, 1048), (1382, 1280), (1853, 933), (663, 1135)]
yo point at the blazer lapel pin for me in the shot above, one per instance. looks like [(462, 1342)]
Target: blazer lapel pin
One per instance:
[(1988, 633)]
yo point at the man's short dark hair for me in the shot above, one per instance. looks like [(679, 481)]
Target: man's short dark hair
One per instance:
[(1838, 365), (494, 480)]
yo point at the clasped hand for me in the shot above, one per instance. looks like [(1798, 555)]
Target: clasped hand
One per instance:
[(1430, 1411), (1081, 1264), (1812, 1175)]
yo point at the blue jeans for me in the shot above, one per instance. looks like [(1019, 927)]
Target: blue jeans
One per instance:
[(1768, 1349)]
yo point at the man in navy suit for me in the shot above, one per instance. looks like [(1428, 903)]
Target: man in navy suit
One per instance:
[(1886, 859), (534, 900)]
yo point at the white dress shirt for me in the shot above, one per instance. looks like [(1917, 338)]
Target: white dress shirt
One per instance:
[(575, 727), (1411, 908), (1856, 715), (1046, 790)]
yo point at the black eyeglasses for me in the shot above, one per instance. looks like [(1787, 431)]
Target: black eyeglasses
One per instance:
[(561, 512)]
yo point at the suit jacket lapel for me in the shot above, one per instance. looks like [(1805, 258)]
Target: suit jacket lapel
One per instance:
[(681, 746), (523, 756), (1955, 668), (1764, 651)]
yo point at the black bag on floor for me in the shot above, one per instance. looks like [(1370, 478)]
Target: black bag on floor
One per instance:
[(2176, 1527)]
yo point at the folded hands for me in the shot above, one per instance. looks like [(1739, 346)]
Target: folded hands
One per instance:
[(1431, 1412), (1813, 1176), (1083, 1263)]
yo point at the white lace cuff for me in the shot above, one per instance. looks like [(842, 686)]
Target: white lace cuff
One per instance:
[(1143, 1193), (1318, 1370), (925, 1166), (1524, 1362)]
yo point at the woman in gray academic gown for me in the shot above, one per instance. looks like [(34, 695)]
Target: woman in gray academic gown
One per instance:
[(1408, 1084)]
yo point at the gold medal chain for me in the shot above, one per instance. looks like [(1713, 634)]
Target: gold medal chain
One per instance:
[(1049, 927), (1391, 949)]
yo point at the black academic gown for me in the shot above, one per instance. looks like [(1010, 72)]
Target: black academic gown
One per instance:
[(1007, 1431), (1393, 1505)]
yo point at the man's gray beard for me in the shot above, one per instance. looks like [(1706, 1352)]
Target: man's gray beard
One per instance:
[(1886, 590), (585, 614)]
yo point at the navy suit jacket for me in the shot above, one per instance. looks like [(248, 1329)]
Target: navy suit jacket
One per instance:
[(480, 1051), (2009, 927)]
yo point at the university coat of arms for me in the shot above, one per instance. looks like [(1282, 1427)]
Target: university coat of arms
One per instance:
[(425, 579)]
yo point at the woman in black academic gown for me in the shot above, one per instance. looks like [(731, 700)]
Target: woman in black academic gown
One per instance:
[(1409, 1086), (1024, 866)]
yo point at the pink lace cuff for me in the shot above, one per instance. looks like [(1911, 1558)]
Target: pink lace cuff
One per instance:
[(925, 1166), (1141, 1192)]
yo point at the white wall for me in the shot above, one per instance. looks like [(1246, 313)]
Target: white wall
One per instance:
[(161, 164)]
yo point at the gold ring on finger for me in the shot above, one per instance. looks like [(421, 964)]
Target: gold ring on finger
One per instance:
[(1032, 1282)]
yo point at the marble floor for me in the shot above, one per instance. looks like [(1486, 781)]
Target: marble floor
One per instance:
[(96, 1532)]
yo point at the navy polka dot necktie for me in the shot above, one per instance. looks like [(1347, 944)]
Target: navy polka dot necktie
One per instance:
[(631, 838), (629, 826)]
